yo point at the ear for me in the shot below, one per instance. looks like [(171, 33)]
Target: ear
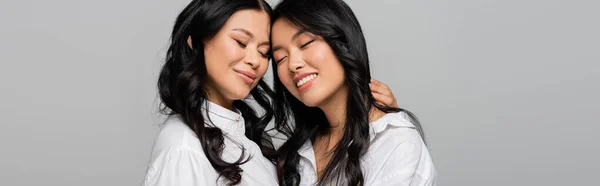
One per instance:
[(189, 42)]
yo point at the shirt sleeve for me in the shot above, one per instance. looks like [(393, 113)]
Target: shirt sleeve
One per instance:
[(400, 169), (177, 167)]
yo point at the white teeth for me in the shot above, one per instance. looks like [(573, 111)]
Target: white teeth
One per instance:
[(306, 79)]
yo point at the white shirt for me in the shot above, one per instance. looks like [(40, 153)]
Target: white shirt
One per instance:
[(178, 159), (397, 156)]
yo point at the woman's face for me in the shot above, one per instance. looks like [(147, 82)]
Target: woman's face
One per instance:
[(306, 64), (236, 57)]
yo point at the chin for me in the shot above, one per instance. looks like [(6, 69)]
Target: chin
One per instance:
[(310, 101), (242, 93), (239, 95), (236, 90)]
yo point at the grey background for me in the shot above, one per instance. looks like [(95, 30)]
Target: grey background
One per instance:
[(506, 89)]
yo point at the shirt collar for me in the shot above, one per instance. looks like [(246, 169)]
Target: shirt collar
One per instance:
[(397, 119), (306, 148), (229, 121), (308, 152)]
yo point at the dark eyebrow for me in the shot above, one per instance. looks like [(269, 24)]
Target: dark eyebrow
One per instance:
[(296, 35), (244, 31)]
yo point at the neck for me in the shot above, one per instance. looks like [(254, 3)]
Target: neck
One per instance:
[(335, 111), (218, 98), (375, 114)]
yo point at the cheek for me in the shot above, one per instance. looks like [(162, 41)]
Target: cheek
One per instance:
[(324, 60), (284, 77), (335, 70), (317, 55), (222, 52), (232, 52), (264, 66)]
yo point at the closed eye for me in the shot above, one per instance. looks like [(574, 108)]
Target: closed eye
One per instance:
[(240, 43), (264, 55), (307, 43), (280, 60)]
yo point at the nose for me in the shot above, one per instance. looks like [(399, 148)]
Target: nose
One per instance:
[(296, 63), (252, 59)]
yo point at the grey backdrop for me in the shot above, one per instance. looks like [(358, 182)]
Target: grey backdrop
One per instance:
[(507, 90)]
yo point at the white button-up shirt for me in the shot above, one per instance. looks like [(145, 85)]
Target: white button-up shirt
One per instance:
[(178, 159), (397, 156)]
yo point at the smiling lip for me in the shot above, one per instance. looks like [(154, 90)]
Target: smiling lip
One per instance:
[(247, 76), (306, 85), (300, 76)]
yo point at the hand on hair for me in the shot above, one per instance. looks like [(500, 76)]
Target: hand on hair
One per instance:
[(383, 94)]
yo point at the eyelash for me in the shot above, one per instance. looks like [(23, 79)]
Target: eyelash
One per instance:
[(244, 46), (307, 43), (302, 46), (278, 61), (241, 44), (266, 56)]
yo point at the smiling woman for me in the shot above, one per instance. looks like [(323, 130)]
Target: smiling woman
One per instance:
[(218, 55), (236, 57), (217, 58), (342, 135), (307, 54)]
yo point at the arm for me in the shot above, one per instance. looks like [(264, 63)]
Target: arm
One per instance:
[(177, 167)]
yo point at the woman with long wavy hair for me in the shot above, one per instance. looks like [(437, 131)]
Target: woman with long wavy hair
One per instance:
[(218, 54), (340, 135)]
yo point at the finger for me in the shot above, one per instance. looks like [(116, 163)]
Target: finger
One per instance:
[(379, 83), (382, 84), (381, 89), (374, 81), (374, 87), (385, 100)]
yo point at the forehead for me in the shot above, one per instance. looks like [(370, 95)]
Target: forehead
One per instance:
[(283, 30), (255, 21)]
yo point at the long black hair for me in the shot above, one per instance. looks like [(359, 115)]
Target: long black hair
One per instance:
[(336, 23), (182, 89)]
